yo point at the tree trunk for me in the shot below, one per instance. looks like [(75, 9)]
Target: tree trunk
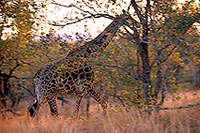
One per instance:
[(2, 100), (145, 72), (158, 74), (5, 88), (2, 96), (196, 82)]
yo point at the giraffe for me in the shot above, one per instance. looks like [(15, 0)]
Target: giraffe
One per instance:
[(73, 73)]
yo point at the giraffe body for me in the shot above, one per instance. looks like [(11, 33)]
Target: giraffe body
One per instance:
[(72, 74)]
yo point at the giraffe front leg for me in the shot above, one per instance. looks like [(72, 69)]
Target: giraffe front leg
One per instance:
[(77, 106), (92, 92)]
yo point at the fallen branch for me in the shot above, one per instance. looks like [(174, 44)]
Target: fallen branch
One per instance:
[(63, 100), (10, 110), (180, 107)]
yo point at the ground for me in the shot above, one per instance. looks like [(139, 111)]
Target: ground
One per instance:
[(117, 120)]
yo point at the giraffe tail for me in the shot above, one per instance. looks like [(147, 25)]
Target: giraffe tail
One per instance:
[(32, 109), (98, 98)]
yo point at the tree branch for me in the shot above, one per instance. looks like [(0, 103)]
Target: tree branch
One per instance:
[(13, 69), (147, 10), (140, 16), (71, 5), (81, 19), (166, 45), (162, 98), (161, 61), (168, 55), (91, 7)]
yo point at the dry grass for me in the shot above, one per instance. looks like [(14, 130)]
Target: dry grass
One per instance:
[(171, 121)]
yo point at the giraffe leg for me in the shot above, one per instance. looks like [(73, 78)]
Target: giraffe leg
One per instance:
[(52, 104), (97, 97), (77, 106), (35, 106)]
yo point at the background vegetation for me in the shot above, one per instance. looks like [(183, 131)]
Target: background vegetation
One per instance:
[(153, 64)]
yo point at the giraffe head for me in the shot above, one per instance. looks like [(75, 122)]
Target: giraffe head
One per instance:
[(126, 19)]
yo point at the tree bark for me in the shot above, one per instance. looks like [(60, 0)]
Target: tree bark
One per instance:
[(196, 82), (145, 72), (5, 90), (2, 98)]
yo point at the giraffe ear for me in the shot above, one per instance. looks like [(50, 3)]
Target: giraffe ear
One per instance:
[(124, 12)]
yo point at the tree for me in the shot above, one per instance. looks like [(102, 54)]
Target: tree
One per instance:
[(18, 20)]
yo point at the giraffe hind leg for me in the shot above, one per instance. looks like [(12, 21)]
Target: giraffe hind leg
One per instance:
[(35, 106), (38, 100), (52, 104), (32, 109)]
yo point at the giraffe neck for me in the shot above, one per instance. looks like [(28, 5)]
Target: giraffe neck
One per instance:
[(98, 44), (104, 38)]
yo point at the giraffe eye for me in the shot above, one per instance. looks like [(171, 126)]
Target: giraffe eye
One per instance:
[(126, 18)]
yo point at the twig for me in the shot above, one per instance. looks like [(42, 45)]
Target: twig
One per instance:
[(29, 91), (91, 7), (168, 54), (71, 5)]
